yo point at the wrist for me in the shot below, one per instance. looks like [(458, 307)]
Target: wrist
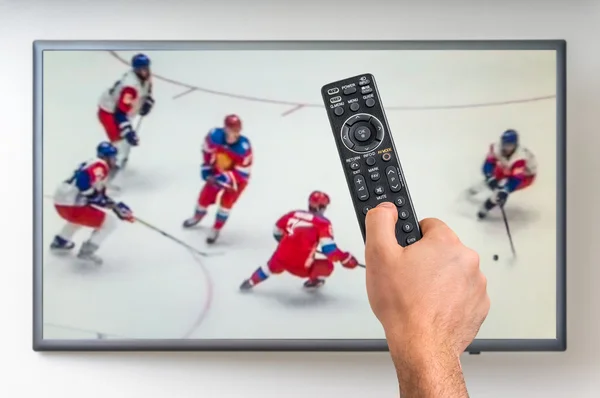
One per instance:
[(426, 368)]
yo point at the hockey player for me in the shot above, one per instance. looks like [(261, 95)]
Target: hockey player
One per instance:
[(508, 167), (300, 233), (79, 200), (128, 97), (226, 169)]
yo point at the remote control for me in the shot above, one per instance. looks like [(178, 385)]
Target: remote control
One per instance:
[(367, 152)]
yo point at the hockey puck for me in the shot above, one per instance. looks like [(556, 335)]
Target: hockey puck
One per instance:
[(495, 257)]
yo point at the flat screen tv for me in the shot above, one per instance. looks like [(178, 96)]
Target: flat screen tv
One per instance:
[(206, 145)]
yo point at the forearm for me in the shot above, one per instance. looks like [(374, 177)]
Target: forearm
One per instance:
[(426, 372)]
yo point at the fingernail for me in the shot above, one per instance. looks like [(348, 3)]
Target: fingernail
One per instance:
[(386, 204)]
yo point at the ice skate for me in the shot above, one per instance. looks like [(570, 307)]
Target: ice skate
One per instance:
[(61, 245), (246, 285), (86, 253), (194, 220), (314, 283), (482, 213), (191, 222), (212, 236)]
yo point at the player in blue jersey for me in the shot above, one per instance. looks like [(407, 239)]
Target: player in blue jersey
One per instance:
[(226, 170)]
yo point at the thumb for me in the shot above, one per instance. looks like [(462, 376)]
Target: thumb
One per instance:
[(380, 227)]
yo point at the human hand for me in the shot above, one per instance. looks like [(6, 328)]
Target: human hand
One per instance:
[(431, 294)]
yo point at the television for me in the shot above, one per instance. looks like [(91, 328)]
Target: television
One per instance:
[(206, 145)]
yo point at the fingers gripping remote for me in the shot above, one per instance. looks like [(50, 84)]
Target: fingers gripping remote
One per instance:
[(367, 152)]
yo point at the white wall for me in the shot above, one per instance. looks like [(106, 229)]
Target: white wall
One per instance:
[(570, 374)]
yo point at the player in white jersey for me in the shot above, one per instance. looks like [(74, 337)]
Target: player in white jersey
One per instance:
[(81, 201), (128, 97), (508, 167)]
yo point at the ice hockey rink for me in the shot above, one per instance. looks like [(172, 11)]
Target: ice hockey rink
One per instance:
[(444, 108)]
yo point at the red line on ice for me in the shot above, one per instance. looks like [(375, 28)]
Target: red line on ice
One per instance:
[(208, 300)]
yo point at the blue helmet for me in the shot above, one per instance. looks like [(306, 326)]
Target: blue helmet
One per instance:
[(140, 61), (510, 137), (106, 150)]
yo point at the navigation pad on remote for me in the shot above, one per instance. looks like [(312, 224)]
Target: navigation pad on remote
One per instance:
[(362, 133)]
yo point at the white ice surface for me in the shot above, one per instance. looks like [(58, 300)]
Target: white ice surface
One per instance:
[(150, 287)]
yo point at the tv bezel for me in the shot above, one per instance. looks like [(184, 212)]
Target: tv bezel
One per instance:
[(477, 346)]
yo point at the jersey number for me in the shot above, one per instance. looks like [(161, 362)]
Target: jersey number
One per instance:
[(294, 223)]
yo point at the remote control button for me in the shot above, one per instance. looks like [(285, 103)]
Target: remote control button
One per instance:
[(400, 201), (393, 180), (379, 190), (335, 99), (386, 157), (371, 161), (362, 134), (332, 91), (366, 90), (368, 147), (354, 106), (407, 227), (339, 111), (349, 90), (403, 214), (370, 103), (346, 137), (378, 128), (361, 187), (361, 117), (363, 81), (354, 166), (366, 209), (411, 239), (375, 176)]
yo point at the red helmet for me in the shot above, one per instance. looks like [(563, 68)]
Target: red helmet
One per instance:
[(233, 122), (318, 200)]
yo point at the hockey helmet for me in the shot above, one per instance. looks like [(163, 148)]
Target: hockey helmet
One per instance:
[(510, 137), (233, 122), (140, 61), (106, 150), (318, 200)]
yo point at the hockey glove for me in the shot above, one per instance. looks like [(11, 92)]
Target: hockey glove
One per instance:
[(501, 197), (492, 182), (349, 261), (123, 212), (205, 171), (128, 133), (147, 106), (224, 180)]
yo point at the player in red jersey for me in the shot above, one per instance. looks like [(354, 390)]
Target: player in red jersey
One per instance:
[(226, 170), (80, 200), (300, 233)]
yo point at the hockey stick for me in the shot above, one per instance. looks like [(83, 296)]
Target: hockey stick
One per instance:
[(512, 246), (359, 264), (163, 233), (174, 239)]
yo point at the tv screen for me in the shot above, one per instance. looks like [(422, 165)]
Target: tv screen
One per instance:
[(206, 147)]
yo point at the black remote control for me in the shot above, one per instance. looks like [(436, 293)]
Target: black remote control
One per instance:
[(367, 152)]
